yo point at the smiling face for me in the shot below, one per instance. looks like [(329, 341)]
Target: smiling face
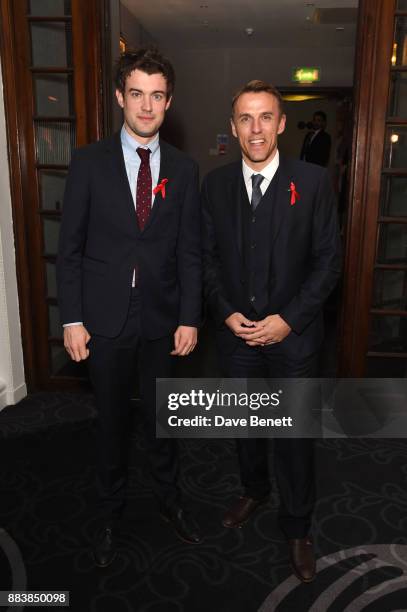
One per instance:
[(144, 103), (256, 123)]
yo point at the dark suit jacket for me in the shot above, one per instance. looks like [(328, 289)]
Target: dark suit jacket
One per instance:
[(317, 151), (303, 257), (100, 244)]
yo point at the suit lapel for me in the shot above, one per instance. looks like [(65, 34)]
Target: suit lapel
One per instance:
[(281, 204), (237, 197), (166, 171), (125, 198)]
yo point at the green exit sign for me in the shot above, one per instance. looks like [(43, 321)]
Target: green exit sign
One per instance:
[(306, 74)]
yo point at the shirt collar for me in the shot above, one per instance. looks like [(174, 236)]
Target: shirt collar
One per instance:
[(131, 143), (268, 172)]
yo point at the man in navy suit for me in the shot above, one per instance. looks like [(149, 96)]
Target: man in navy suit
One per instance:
[(129, 280), (271, 258), (316, 147)]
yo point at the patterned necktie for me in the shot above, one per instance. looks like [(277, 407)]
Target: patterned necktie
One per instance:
[(256, 192), (144, 188)]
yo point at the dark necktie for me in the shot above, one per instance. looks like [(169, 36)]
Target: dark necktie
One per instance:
[(256, 193), (144, 188)]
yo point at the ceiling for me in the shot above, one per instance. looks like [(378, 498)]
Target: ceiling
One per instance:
[(221, 23)]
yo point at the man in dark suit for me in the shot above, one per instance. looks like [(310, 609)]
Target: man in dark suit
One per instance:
[(316, 147), (271, 258), (129, 277)]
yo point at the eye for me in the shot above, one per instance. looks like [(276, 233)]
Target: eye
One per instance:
[(158, 97), (135, 94), (267, 117), (244, 119)]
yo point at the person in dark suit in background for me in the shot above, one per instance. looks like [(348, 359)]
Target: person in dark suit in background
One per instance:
[(130, 281), (271, 251), (316, 147)]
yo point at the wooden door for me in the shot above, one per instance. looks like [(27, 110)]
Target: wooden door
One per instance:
[(374, 316), (51, 66)]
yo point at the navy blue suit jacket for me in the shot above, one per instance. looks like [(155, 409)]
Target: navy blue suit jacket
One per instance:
[(100, 244), (303, 258)]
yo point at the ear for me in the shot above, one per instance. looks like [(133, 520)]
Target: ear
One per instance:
[(281, 125), (232, 125), (119, 97), (168, 104)]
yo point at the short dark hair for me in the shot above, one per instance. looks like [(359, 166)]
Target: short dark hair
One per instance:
[(320, 114), (148, 60), (257, 86)]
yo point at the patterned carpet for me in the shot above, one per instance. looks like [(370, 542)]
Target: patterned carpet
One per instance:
[(47, 482)]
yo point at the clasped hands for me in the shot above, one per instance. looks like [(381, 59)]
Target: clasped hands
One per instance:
[(76, 338), (270, 330)]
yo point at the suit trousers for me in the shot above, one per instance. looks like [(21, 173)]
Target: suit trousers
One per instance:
[(113, 363), (293, 457)]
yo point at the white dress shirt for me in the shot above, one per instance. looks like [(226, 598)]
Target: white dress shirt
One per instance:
[(268, 172)]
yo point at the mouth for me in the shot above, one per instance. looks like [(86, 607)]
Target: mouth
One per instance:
[(257, 142), (146, 118)]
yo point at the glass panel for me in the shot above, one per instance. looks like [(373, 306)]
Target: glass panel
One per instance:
[(50, 270), (396, 147), (402, 5), (51, 235), (62, 364), (398, 95), (54, 142), (53, 95), (394, 196), (52, 186), (386, 367), (392, 243), (55, 327), (400, 42), (388, 334), (50, 8), (390, 289), (51, 44)]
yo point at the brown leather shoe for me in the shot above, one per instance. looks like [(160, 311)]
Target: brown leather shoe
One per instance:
[(302, 558), (241, 511)]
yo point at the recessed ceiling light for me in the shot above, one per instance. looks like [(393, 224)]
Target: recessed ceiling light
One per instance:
[(340, 29)]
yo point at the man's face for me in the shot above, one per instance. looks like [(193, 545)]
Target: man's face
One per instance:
[(256, 123), (318, 122), (144, 103)]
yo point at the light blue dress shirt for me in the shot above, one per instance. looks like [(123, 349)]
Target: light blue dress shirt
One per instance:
[(132, 160)]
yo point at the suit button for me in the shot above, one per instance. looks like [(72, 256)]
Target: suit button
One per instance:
[(253, 245), (253, 219), (253, 298)]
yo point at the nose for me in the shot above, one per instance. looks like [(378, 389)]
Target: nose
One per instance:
[(146, 106), (256, 127)]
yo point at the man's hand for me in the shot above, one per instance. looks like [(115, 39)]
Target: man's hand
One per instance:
[(76, 338), (238, 323), (185, 340), (270, 330)]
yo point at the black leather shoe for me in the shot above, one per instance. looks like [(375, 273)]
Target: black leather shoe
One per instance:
[(184, 525), (241, 511), (104, 549)]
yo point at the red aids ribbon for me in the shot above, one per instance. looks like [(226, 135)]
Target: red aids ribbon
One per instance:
[(160, 187), (294, 194)]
